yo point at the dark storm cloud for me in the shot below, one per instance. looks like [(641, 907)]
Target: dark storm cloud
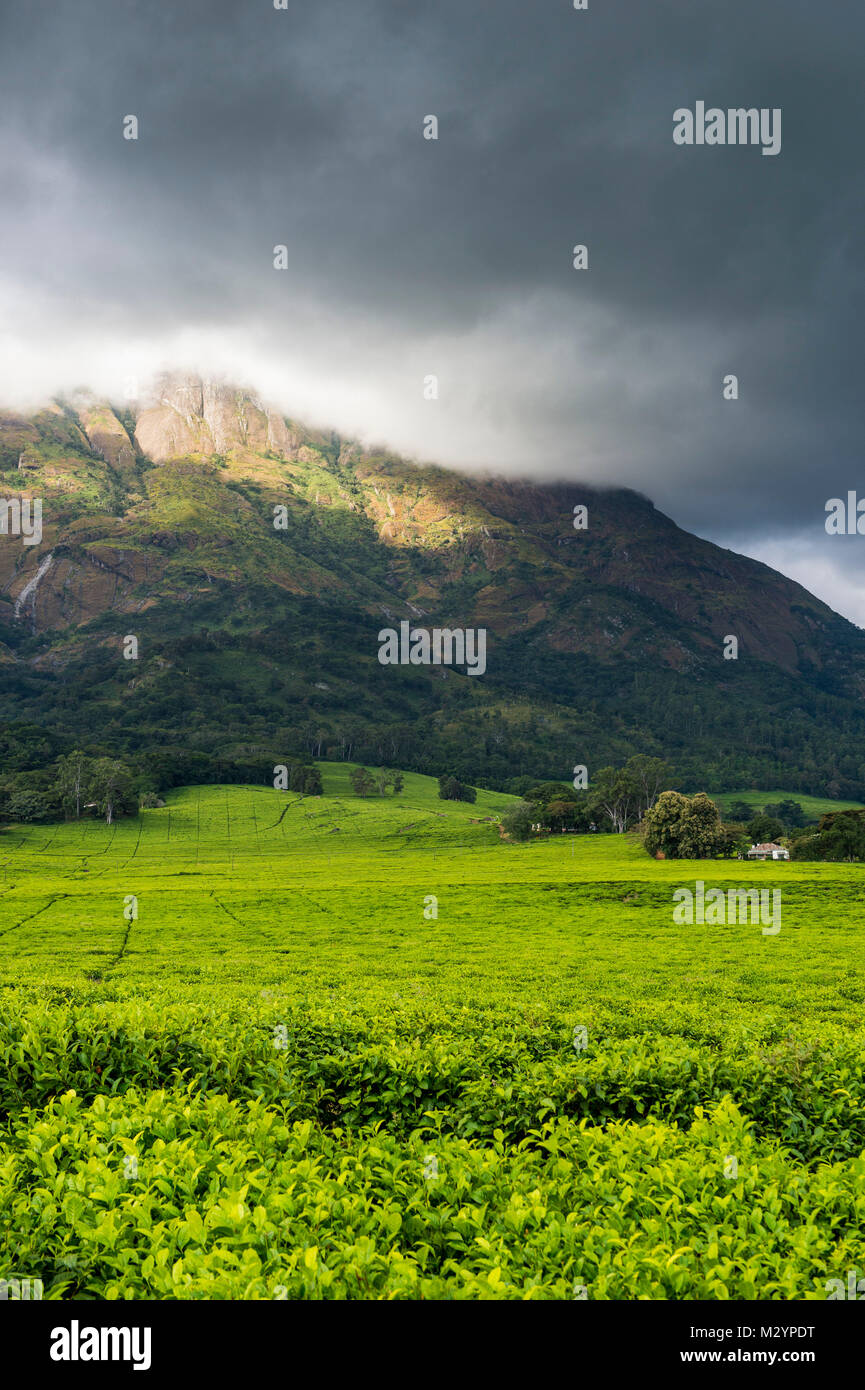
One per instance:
[(303, 127)]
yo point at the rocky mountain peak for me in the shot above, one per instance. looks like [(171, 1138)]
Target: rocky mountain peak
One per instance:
[(188, 415)]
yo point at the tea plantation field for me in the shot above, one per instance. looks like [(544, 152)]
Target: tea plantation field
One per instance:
[(256, 1046)]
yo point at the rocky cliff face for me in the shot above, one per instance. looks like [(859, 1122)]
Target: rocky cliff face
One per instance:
[(187, 416)]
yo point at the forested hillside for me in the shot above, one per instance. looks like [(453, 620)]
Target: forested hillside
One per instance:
[(255, 562)]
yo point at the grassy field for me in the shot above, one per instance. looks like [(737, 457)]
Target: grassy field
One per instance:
[(287, 1072)]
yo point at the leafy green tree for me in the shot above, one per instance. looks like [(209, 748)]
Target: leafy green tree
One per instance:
[(664, 824), (789, 812), (840, 838), (111, 788), (517, 820), (800, 832), (28, 807), (542, 793), (625, 794), (844, 839), (452, 789), (734, 840), (560, 813), (764, 829), (312, 785), (740, 811), (615, 794), (519, 786), (828, 819), (571, 808), (684, 827), (808, 847), (648, 777), (305, 779), (703, 836), (362, 781)]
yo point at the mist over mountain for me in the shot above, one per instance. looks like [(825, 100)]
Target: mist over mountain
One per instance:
[(255, 562)]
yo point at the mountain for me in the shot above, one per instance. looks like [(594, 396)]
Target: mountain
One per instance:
[(257, 640)]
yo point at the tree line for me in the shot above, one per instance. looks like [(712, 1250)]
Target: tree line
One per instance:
[(616, 800), (79, 784), (673, 825)]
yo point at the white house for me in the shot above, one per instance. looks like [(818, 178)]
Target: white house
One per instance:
[(768, 851)]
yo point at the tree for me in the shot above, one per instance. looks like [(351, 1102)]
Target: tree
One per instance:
[(663, 825), (312, 782), (648, 776), (305, 778), (542, 793), (519, 786), (452, 789), (703, 836), (111, 787), (734, 840), (560, 813), (556, 804), (28, 807), (683, 827), (841, 838), (73, 772), (828, 819), (740, 811), (799, 832), (518, 820), (790, 812), (296, 775), (397, 781), (845, 838), (626, 794), (362, 782), (808, 847), (764, 829), (615, 795)]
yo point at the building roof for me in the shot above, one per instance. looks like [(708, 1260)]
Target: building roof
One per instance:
[(766, 849)]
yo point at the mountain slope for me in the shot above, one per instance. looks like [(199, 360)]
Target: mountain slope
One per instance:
[(158, 522)]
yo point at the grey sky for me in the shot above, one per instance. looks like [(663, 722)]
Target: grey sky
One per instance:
[(409, 257)]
